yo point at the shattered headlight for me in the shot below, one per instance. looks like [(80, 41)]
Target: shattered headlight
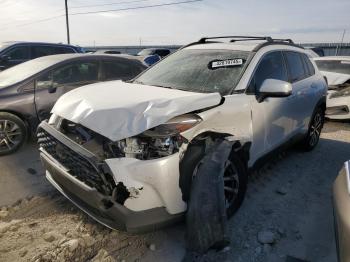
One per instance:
[(174, 126), (341, 93)]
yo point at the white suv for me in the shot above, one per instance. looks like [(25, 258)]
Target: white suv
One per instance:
[(125, 152)]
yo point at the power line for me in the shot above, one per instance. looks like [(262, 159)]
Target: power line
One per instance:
[(104, 11), (107, 4)]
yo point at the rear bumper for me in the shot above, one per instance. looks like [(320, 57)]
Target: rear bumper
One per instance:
[(341, 198)]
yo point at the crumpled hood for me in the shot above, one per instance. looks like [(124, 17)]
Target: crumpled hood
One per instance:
[(335, 79), (118, 110)]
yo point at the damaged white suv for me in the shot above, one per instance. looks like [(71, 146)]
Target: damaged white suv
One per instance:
[(125, 153)]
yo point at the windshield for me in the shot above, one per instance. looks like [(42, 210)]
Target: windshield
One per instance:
[(203, 71), (22, 71), (335, 66)]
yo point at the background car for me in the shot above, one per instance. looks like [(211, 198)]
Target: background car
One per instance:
[(14, 53), (162, 52), (337, 71), (28, 91), (105, 51)]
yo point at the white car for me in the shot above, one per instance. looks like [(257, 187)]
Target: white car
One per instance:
[(337, 71), (125, 152)]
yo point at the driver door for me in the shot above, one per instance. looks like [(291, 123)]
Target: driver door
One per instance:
[(51, 85), (272, 118)]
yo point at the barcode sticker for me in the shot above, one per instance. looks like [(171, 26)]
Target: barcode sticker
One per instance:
[(226, 63)]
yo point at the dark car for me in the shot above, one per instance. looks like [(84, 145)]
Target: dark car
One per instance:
[(14, 53), (28, 91), (162, 52)]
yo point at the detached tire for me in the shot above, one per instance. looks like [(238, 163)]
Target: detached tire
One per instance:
[(13, 133), (314, 131)]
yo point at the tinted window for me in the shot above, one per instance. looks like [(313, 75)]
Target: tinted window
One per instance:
[(309, 66), (39, 51), (202, 71), (63, 50), (270, 67), (124, 70), (295, 66), (83, 73), (162, 52), (18, 53)]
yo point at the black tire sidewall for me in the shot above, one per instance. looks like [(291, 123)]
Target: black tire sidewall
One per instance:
[(22, 127)]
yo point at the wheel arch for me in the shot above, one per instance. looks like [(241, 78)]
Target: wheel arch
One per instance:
[(198, 147)]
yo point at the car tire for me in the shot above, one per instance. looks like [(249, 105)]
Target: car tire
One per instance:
[(314, 131), (13, 133), (235, 178)]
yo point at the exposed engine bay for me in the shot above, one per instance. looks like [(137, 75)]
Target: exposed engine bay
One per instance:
[(142, 147)]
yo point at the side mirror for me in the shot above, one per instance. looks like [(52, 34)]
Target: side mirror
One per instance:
[(52, 89), (274, 88)]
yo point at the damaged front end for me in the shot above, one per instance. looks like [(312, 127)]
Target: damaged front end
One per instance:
[(122, 184)]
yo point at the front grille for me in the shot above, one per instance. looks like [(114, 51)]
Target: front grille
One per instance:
[(78, 166)]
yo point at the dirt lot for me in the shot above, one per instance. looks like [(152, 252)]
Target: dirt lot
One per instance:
[(288, 205)]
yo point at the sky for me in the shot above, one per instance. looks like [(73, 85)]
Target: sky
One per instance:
[(304, 21)]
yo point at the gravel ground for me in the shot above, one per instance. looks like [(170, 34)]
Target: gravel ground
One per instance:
[(287, 214)]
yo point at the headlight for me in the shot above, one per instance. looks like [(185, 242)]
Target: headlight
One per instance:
[(343, 92), (174, 126)]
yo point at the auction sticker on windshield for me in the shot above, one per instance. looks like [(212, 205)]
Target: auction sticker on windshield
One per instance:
[(226, 63)]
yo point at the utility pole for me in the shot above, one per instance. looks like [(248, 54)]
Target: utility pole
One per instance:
[(67, 22)]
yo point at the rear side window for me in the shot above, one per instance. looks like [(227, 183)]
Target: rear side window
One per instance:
[(295, 66), (162, 52), (64, 50), (18, 53), (309, 66), (39, 51), (270, 67), (114, 70)]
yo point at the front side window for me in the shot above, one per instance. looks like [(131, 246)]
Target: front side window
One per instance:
[(18, 53), (70, 74), (295, 66), (270, 67), (197, 70), (309, 66), (335, 66)]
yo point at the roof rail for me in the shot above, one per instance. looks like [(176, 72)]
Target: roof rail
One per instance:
[(269, 40)]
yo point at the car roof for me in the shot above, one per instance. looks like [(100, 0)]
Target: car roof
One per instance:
[(30, 43), (337, 58)]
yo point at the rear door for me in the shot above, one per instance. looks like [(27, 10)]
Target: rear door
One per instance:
[(54, 83)]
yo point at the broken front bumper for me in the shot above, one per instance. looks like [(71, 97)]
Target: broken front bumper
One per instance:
[(91, 201)]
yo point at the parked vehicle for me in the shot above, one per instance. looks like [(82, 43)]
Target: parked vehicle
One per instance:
[(341, 202), (162, 52), (127, 154), (14, 53), (28, 91), (337, 71), (106, 51)]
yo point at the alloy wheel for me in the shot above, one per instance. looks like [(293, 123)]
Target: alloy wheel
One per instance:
[(315, 129), (10, 135), (231, 183)]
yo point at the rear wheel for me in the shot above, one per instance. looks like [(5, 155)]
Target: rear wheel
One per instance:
[(314, 132), (13, 133)]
